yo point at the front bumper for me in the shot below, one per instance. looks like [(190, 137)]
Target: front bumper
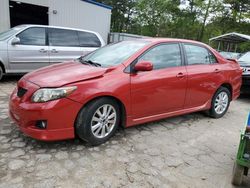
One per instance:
[(60, 115)]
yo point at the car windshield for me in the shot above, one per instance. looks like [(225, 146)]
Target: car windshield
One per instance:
[(245, 59), (6, 34), (114, 54)]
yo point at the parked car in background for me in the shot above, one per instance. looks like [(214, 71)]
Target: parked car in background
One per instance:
[(124, 84), (230, 55), (244, 62), (28, 47)]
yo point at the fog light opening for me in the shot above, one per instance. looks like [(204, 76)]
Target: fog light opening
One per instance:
[(41, 124)]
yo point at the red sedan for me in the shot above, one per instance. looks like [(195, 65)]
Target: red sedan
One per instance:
[(124, 84)]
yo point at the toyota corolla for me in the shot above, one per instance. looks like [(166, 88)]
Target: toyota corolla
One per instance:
[(123, 84)]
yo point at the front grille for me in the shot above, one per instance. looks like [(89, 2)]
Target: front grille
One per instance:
[(21, 91), (245, 80)]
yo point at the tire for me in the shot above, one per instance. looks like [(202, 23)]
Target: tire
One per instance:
[(93, 126), (219, 107), (1, 73), (237, 174)]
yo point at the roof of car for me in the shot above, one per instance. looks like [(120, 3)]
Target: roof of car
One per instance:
[(59, 27), (171, 40)]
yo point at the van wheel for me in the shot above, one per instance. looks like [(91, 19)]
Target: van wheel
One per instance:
[(220, 103), (98, 121), (1, 73)]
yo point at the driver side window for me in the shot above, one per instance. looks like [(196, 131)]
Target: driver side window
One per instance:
[(33, 36), (163, 56)]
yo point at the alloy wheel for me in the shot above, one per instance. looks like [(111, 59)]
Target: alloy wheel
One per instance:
[(103, 121), (221, 102)]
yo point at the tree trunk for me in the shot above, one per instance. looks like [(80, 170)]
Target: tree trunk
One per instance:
[(204, 21)]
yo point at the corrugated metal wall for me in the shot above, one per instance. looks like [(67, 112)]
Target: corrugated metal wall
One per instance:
[(69, 13), (80, 14), (4, 15)]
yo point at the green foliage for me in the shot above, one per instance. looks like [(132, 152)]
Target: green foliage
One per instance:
[(122, 13), (198, 19)]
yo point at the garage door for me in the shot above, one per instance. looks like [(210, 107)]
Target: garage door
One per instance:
[(24, 13)]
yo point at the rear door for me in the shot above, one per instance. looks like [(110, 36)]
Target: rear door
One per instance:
[(204, 75), (88, 42), (63, 45), (31, 53), (164, 88)]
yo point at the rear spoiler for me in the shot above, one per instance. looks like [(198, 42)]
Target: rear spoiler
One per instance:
[(235, 61)]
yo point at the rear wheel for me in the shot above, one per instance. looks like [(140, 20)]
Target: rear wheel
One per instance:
[(98, 121), (237, 174), (220, 102), (1, 73)]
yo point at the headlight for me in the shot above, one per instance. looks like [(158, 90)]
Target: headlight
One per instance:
[(49, 94)]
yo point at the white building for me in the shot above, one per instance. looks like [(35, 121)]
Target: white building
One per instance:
[(82, 14)]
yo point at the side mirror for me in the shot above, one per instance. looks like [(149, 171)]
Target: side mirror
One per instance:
[(15, 41), (143, 66)]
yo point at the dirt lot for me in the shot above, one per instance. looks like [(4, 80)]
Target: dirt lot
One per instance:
[(187, 151)]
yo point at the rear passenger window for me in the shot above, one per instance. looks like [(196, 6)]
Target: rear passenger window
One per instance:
[(33, 36), (163, 56), (63, 37), (88, 39), (197, 55)]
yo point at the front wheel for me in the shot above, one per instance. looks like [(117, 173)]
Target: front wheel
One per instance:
[(220, 102), (98, 121)]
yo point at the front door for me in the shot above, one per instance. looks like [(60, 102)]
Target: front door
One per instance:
[(164, 88), (31, 53)]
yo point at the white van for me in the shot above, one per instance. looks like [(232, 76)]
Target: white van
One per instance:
[(28, 47)]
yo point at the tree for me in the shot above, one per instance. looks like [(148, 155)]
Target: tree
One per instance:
[(154, 15), (240, 9), (121, 13), (198, 19)]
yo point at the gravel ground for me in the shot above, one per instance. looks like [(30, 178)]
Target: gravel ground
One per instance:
[(186, 151)]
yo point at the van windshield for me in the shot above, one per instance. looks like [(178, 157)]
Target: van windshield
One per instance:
[(6, 34), (114, 54)]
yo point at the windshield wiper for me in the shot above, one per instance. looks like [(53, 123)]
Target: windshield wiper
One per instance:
[(89, 62), (93, 63)]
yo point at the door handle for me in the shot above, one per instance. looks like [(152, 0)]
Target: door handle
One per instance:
[(180, 75), (217, 70), (42, 50), (54, 51)]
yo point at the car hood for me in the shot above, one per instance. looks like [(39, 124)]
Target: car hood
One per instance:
[(244, 63), (64, 73)]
